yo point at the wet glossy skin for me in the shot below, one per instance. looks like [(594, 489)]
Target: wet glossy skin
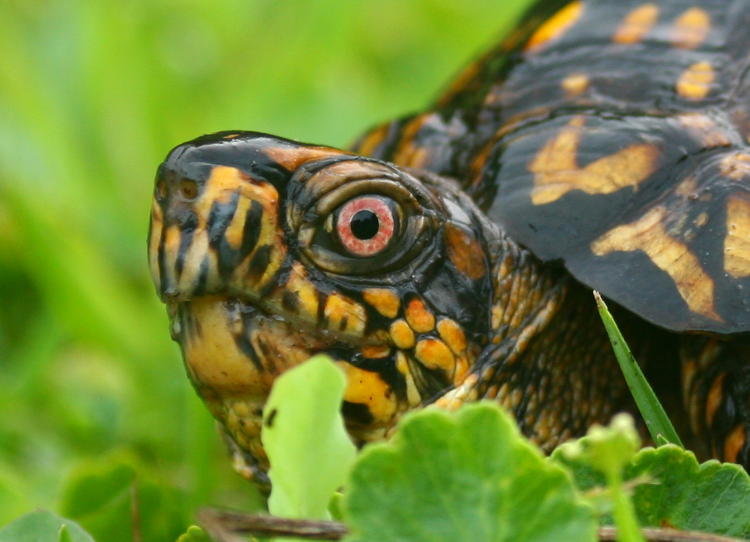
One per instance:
[(610, 137)]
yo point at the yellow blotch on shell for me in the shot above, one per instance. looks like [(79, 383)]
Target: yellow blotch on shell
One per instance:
[(384, 300), (695, 82), (435, 354), (575, 84), (669, 254), (736, 242), (636, 24), (736, 166), (691, 28), (556, 170), (344, 315), (401, 334), (555, 26), (368, 388), (419, 317), (452, 334)]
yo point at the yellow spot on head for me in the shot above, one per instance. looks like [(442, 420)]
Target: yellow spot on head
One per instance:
[(401, 334), (575, 84), (691, 28), (434, 354), (385, 301), (305, 291), (555, 26), (419, 317), (344, 315), (368, 388), (670, 255), (636, 24), (375, 351), (713, 400), (736, 241), (695, 82), (556, 170), (452, 334)]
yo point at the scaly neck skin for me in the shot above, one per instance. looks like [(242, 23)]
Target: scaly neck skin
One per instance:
[(548, 360)]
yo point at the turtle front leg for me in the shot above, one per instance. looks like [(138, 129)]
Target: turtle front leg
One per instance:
[(716, 391)]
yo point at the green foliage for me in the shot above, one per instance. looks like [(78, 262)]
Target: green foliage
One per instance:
[(43, 526), (304, 436), (92, 96), (672, 489), (464, 476), (657, 421)]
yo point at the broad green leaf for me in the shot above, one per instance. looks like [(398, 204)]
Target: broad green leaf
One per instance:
[(609, 450), (43, 526), (194, 534), (673, 490), (462, 476), (303, 434), (657, 421), (115, 502)]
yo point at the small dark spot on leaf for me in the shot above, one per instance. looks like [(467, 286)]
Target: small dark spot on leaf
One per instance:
[(270, 418)]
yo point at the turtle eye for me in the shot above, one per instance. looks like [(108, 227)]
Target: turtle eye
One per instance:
[(365, 225)]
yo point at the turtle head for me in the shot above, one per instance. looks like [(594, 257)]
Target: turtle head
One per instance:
[(268, 251)]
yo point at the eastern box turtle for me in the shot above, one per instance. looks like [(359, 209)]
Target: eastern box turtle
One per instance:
[(449, 256)]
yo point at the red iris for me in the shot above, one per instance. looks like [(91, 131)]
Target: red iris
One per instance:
[(365, 225)]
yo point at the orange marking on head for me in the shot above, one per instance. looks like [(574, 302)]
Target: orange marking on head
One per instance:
[(460, 82), (736, 242), (695, 82), (306, 292), (384, 300), (375, 351), (408, 153), (691, 28), (401, 334), (713, 400), (555, 26), (157, 226), (647, 233), (236, 230), (369, 143), (291, 158), (465, 252), (419, 317), (734, 443), (636, 24), (434, 354), (575, 84), (452, 334), (556, 170), (344, 315), (368, 388)]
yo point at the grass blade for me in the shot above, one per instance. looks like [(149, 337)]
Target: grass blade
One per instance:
[(653, 413)]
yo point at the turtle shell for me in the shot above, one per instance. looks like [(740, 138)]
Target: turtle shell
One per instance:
[(611, 136)]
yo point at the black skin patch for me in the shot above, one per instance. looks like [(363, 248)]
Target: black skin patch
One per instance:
[(268, 422), (187, 232), (290, 301), (259, 263), (356, 414)]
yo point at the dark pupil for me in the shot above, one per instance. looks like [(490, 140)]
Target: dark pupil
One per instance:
[(365, 224)]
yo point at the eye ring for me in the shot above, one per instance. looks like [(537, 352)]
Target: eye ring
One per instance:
[(361, 243)]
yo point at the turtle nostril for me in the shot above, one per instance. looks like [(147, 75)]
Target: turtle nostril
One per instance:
[(188, 189), (161, 190)]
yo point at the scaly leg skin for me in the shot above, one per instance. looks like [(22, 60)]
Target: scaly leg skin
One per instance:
[(716, 391)]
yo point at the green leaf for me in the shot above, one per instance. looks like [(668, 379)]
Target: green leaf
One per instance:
[(674, 490), (194, 534), (116, 502), (43, 526), (657, 421), (462, 476), (303, 434)]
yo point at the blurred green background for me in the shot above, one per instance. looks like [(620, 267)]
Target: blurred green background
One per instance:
[(92, 96)]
